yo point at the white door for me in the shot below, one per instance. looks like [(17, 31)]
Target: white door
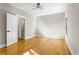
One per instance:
[(12, 29)]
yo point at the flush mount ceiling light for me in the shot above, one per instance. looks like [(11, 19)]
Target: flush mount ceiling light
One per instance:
[(37, 6)]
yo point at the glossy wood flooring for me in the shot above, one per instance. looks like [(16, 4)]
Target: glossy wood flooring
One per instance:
[(40, 45)]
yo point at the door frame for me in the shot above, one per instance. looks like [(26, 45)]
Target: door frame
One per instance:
[(24, 17)]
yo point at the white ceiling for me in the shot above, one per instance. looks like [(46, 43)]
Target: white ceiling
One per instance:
[(47, 8)]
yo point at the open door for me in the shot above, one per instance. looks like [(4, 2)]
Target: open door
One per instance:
[(11, 29), (21, 27)]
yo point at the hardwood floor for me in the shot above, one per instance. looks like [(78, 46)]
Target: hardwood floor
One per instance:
[(40, 45)]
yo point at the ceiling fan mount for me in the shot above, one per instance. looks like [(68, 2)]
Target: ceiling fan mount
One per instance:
[(36, 6)]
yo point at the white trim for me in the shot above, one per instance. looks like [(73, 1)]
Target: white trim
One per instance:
[(30, 37), (3, 45), (50, 37), (21, 16), (66, 40)]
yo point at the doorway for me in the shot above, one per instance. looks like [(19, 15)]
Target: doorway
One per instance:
[(21, 27)]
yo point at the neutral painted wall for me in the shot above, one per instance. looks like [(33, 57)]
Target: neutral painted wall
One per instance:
[(4, 8), (30, 27), (72, 12), (51, 26), (2, 28)]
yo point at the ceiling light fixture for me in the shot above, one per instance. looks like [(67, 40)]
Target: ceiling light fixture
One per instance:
[(36, 6)]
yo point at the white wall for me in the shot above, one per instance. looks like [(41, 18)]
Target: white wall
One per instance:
[(4, 8), (2, 28), (51, 26), (72, 40), (30, 27)]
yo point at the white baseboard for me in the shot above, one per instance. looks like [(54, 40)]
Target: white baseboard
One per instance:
[(30, 37), (66, 40), (3, 45), (50, 37)]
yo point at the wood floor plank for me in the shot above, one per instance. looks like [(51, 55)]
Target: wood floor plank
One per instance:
[(40, 45)]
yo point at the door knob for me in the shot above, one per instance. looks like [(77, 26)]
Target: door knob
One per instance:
[(7, 31)]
